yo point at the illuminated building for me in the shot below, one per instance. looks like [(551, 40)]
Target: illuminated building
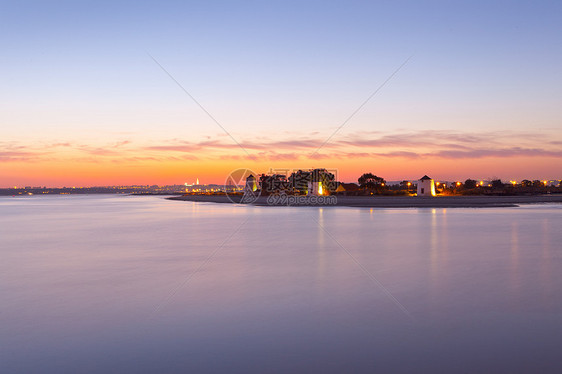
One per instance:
[(426, 186)]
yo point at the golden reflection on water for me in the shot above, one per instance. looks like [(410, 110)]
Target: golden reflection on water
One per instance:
[(433, 245), (322, 265), (320, 229), (476, 281), (438, 253), (545, 272), (514, 279)]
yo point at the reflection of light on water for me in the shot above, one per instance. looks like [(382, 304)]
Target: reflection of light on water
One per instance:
[(433, 267), (438, 253), (276, 283), (433, 250), (322, 257), (546, 239), (321, 233), (514, 246), (514, 249), (444, 235), (546, 263)]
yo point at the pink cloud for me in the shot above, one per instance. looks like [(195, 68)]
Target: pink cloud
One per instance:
[(408, 145)]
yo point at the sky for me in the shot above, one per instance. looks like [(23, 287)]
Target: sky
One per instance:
[(165, 92)]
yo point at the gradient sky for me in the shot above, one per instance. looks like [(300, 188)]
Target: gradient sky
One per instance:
[(83, 103)]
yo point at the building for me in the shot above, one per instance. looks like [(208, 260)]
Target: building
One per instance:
[(316, 188), (251, 192), (251, 185), (426, 186), (347, 189)]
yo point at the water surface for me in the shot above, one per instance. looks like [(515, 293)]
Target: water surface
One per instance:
[(112, 284)]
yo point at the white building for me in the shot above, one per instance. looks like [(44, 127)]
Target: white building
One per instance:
[(251, 184), (426, 186), (316, 188), (251, 192)]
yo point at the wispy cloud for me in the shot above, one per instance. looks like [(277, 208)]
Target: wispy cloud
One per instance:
[(18, 156), (409, 145), (406, 144), (499, 153)]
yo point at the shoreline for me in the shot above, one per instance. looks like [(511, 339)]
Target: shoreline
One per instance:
[(396, 201)]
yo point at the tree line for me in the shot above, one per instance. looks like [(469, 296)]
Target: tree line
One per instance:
[(370, 184)]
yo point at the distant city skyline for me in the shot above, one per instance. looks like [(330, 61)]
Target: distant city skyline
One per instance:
[(84, 104)]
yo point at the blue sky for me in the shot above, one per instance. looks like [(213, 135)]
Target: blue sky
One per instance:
[(80, 70)]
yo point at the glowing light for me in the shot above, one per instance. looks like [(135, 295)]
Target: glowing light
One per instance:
[(320, 189), (458, 183)]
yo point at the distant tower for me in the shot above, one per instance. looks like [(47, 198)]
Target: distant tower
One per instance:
[(197, 183), (426, 186)]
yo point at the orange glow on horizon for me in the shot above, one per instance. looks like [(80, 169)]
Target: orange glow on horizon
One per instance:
[(395, 156), (115, 171)]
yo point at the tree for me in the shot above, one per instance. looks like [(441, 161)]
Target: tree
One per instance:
[(469, 184), (369, 181), (526, 183), (299, 180), (405, 185), (497, 183)]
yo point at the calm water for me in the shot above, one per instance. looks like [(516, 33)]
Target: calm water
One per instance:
[(113, 284)]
